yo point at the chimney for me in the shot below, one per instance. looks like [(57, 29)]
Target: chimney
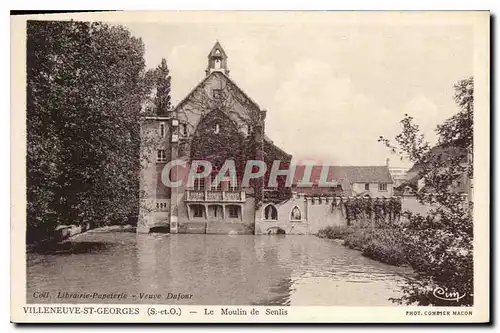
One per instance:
[(387, 162)]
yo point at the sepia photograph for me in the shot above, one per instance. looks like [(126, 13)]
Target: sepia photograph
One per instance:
[(240, 164)]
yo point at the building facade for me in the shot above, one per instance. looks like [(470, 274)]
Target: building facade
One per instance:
[(373, 181), (216, 122)]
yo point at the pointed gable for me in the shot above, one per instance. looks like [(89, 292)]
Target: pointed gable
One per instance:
[(222, 78), (217, 51)]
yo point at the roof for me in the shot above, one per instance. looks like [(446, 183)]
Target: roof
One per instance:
[(346, 174), (205, 79), (444, 153), (368, 174)]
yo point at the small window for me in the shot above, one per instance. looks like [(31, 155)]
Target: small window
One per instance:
[(197, 210), (162, 130), (296, 215), (161, 155), (367, 187), (271, 213), (382, 187), (234, 211), (183, 129), (216, 128), (199, 184), (217, 94)]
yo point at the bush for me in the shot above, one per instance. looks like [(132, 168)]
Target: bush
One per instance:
[(334, 232), (383, 245), (358, 239)]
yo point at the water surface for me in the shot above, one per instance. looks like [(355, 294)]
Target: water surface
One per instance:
[(215, 269)]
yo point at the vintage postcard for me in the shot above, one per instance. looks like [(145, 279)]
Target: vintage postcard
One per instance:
[(250, 167)]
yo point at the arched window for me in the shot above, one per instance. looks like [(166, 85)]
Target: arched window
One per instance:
[(296, 214), (270, 213)]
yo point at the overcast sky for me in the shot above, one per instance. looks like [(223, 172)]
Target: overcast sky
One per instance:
[(330, 90)]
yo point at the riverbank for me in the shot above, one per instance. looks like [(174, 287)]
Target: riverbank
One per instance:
[(60, 240), (382, 244)]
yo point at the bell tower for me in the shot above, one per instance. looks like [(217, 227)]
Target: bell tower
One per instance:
[(217, 60)]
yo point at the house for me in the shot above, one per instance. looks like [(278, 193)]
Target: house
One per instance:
[(374, 181), (215, 122), (445, 156)]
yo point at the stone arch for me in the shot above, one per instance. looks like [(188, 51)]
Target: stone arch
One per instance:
[(271, 212), (160, 229)]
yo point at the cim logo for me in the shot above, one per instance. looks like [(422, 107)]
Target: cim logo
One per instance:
[(445, 295)]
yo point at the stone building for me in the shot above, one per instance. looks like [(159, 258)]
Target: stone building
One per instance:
[(374, 181), (216, 122)]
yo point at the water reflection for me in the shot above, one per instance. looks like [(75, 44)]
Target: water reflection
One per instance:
[(215, 269)]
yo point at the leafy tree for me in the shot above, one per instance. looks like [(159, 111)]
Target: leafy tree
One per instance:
[(85, 86), (162, 99), (440, 244)]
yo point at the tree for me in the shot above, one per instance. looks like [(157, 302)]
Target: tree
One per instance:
[(440, 243), (85, 86), (162, 98)]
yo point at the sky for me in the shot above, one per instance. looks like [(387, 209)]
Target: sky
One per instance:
[(330, 89)]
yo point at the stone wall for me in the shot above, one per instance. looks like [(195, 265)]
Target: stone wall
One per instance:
[(316, 213)]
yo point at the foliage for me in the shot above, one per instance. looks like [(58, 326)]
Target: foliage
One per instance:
[(163, 102), (441, 243), (382, 244), (281, 192), (334, 232), (230, 142), (85, 86), (381, 211), (227, 144)]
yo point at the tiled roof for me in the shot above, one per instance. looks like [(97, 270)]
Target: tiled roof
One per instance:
[(368, 174), (347, 174)]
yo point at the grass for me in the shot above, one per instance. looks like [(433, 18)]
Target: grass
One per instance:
[(384, 245)]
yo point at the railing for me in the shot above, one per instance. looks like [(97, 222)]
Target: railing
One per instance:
[(215, 196)]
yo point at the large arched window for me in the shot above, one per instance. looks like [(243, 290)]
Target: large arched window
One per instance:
[(270, 213), (296, 214)]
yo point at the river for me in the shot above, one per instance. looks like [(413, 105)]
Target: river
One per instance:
[(215, 269)]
